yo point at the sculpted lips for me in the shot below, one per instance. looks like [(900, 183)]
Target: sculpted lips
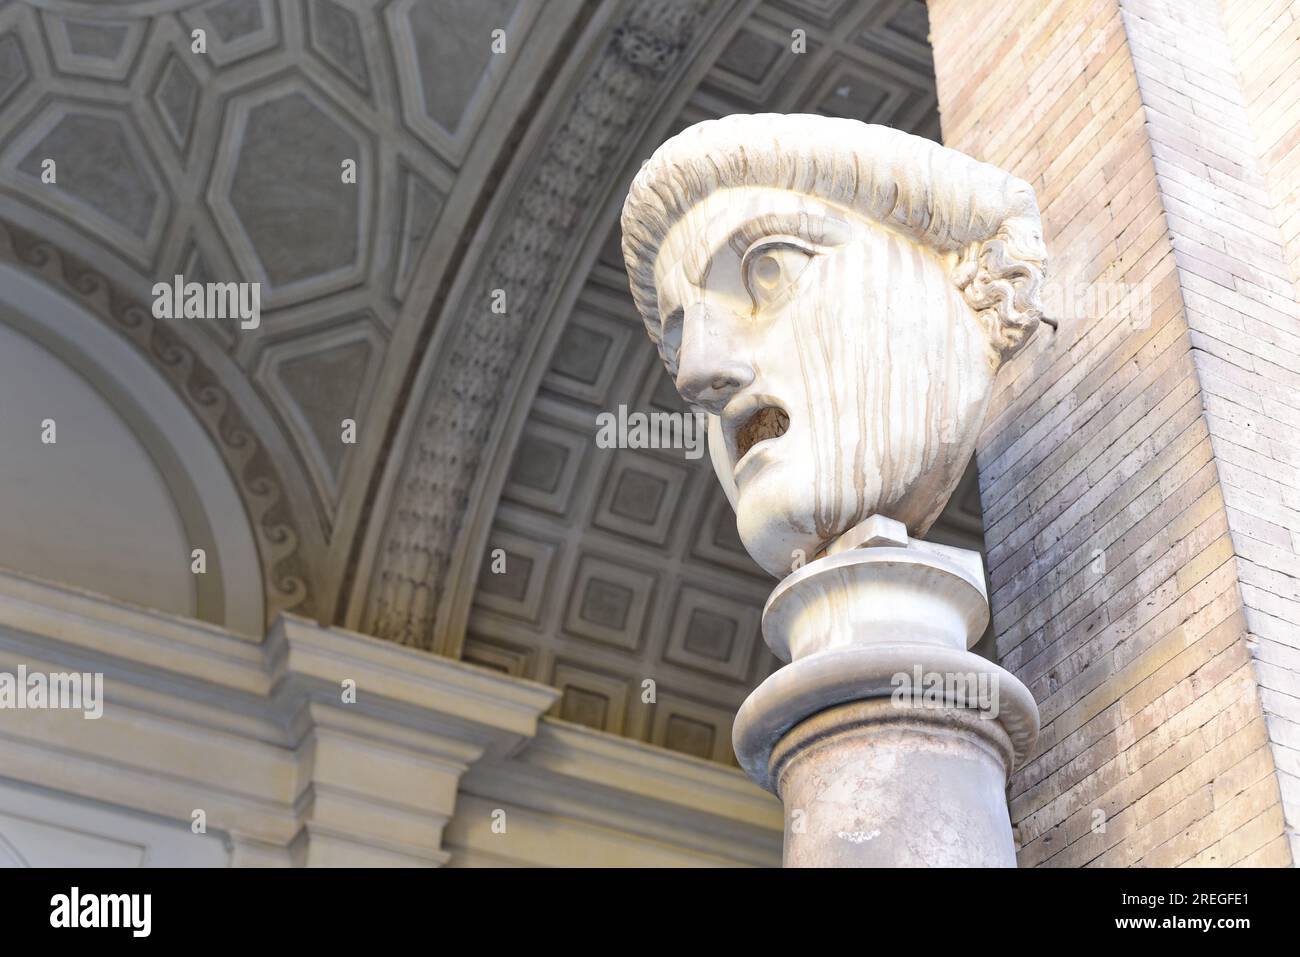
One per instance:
[(768, 422)]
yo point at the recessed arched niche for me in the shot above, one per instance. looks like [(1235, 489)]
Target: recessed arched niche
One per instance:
[(131, 484)]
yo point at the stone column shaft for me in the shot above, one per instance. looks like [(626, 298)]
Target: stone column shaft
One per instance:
[(888, 741)]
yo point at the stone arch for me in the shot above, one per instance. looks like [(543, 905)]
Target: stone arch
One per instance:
[(208, 466), (667, 578)]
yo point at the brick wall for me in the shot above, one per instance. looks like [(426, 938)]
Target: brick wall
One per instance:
[(1242, 310), (1115, 579), (1265, 41)]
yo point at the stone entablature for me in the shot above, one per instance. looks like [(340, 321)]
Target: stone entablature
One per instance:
[(320, 747)]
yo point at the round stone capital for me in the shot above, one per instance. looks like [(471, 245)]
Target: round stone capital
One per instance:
[(882, 617), (875, 595), (925, 679)]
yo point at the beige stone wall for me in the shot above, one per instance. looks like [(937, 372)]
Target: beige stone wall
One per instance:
[(1115, 581), (1244, 321), (1265, 40)]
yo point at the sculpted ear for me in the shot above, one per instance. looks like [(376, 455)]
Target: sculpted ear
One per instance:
[(1001, 278)]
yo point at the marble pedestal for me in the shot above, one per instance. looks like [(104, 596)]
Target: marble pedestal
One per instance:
[(888, 741)]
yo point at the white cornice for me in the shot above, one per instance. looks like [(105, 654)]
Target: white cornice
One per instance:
[(256, 734)]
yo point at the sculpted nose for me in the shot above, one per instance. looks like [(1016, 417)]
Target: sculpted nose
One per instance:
[(711, 362)]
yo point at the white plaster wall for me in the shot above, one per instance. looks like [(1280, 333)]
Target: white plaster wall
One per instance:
[(134, 481), (90, 509), (40, 828)]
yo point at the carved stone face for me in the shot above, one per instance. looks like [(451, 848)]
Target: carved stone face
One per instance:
[(847, 374)]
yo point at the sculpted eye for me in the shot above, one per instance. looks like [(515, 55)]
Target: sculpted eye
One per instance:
[(772, 266)]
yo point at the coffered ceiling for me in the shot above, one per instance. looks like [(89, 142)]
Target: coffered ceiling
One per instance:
[(476, 171), (625, 567)]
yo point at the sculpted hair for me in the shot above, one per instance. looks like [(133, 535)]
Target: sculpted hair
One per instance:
[(983, 220)]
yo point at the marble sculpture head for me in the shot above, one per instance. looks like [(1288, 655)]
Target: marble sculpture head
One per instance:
[(838, 297)]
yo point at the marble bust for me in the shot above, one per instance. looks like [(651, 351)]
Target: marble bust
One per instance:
[(838, 297)]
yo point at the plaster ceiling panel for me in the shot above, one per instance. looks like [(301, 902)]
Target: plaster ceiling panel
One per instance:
[(334, 35), (849, 90), (713, 633), (910, 20), (547, 466), (901, 33), (487, 652), (640, 495), (14, 70), (692, 727), (590, 697), (278, 193), (447, 70), (104, 180), (826, 14), (591, 355), (318, 381), (93, 47), (751, 56), (421, 205), (758, 58), (114, 8), (236, 29), (197, 265), (176, 98), (608, 602), (517, 586)]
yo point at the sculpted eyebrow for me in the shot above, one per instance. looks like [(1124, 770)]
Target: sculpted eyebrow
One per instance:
[(817, 228)]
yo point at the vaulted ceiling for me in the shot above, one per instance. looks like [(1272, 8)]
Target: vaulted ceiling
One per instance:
[(476, 171)]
